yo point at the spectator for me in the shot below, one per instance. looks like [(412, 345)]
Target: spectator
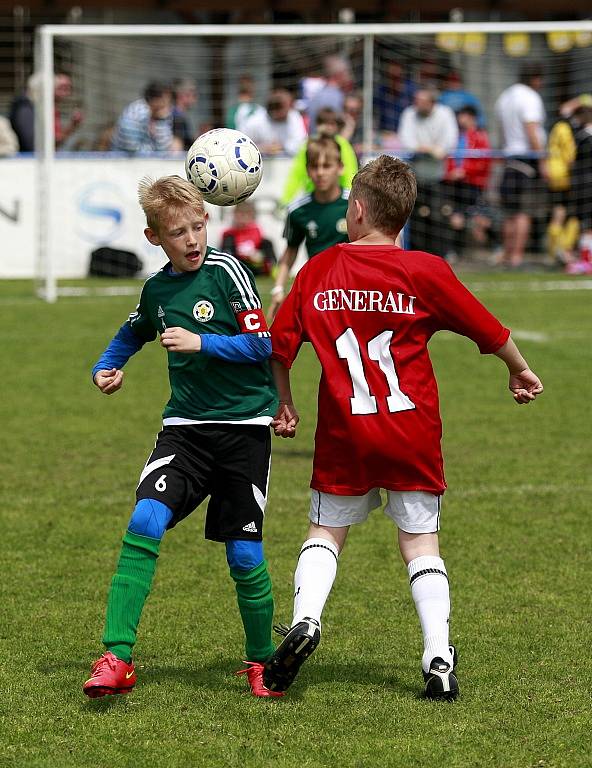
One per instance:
[(582, 181), (338, 83), (353, 129), (245, 240), (184, 97), (146, 125), (464, 180), (62, 92), (279, 129), (455, 97), (429, 132), (563, 228), (245, 106), (9, 144), (521, 115), (329, 123), (22, 112), (393, 96)]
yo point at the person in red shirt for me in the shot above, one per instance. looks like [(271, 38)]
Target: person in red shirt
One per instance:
[(464, 182), (245, 240), (369, 309)]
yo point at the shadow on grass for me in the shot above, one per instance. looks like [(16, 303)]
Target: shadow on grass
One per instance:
[(217, 674)]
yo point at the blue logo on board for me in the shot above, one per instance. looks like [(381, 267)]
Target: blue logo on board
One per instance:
[(100, 212)]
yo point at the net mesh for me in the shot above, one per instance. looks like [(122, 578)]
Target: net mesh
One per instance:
[(462, 217)]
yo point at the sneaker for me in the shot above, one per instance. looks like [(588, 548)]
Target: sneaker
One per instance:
[(440, 680), (109, 675), (254, 673), (299, 642)]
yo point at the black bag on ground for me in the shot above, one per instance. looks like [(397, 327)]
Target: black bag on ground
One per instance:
[(113, 262)]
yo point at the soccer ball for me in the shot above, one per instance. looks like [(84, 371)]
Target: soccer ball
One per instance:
[(225, 166)]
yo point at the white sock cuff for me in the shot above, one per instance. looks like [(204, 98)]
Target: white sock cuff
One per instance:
[(425, 565), (318, 543)]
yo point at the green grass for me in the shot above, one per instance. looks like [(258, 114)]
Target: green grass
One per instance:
[(515, 537)]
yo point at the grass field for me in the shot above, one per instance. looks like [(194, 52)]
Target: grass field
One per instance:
[(515, 537)]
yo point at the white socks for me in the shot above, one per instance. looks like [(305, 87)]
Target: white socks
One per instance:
[(313, 579), (429, 589)]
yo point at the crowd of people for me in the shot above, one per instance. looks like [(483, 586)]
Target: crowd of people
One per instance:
[(529, 196)]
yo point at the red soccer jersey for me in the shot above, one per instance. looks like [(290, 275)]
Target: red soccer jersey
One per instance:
[(369, 312)]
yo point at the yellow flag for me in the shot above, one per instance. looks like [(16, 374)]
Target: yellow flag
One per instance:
[(517, 44), (474, 43), (449, 41), (560, 41), (583, 38)]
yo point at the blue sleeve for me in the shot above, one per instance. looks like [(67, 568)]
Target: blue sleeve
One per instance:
[(242, 348), (122, 346)]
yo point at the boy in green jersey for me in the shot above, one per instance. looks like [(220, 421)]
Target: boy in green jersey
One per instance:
[(317, 219), (215, 439)]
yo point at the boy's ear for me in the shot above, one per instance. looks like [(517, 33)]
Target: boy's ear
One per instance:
[(359, 209), (152, 236)]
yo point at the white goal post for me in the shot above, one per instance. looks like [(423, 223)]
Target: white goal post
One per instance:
[(110, 65)]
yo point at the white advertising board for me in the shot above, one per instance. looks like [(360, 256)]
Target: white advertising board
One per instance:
[(94, 203)]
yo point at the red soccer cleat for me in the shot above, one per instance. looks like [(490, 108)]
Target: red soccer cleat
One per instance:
[(254, 673), (109, 675)]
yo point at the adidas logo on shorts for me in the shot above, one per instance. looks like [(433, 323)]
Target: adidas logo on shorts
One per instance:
[(250, 527)]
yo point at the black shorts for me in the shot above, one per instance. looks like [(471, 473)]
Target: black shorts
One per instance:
[(228, 462), (522, 188)]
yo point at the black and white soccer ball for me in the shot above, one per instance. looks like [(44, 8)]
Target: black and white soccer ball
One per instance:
[(225, 165)]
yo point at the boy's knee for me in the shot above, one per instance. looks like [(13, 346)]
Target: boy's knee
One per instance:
[(150, 518), (243, 555)]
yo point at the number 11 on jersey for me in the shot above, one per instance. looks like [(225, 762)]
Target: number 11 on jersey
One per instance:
[(363, 401)]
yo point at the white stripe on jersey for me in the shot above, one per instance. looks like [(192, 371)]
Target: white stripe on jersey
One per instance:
[(299, 202), (242, 273), (234, 268)]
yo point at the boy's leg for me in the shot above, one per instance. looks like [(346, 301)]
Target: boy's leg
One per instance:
[(248, 569), (130, 586), (316, 570), (330, 520), (417, 515), (430, 591), (313, 580)]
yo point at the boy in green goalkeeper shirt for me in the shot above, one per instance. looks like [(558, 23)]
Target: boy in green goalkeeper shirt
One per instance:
[(215, 439), (316, 219)]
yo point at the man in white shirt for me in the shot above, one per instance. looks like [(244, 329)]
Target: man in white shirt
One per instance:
[(428, 130), (278, 129), (521, 116)]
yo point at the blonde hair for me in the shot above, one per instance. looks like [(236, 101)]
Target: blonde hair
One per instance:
[(170, 193), (323, 145), (389, 189)]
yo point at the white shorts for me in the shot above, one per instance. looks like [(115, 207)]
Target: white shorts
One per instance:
[(412, 511)]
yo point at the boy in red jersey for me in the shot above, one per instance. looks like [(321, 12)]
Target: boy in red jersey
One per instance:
[(369, 309)]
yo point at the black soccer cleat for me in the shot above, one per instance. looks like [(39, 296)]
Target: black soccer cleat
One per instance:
[(440, 680), (299, 642)]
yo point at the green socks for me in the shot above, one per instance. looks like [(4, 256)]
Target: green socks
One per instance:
[(255, 602), (130, 587)]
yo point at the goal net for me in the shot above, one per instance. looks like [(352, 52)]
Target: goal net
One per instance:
[(88, 218)]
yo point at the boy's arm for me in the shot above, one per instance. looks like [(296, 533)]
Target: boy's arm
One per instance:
[(283, 272), (524, 384), (286, 417), (242, 348), (107, 373)]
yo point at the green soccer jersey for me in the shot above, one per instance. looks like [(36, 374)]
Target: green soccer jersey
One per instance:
[(216, 299), (319, 225)]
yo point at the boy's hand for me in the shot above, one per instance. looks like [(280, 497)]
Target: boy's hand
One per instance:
[(180, 340), (285, 421), (109, 381), (525, 386), (274, 305)]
